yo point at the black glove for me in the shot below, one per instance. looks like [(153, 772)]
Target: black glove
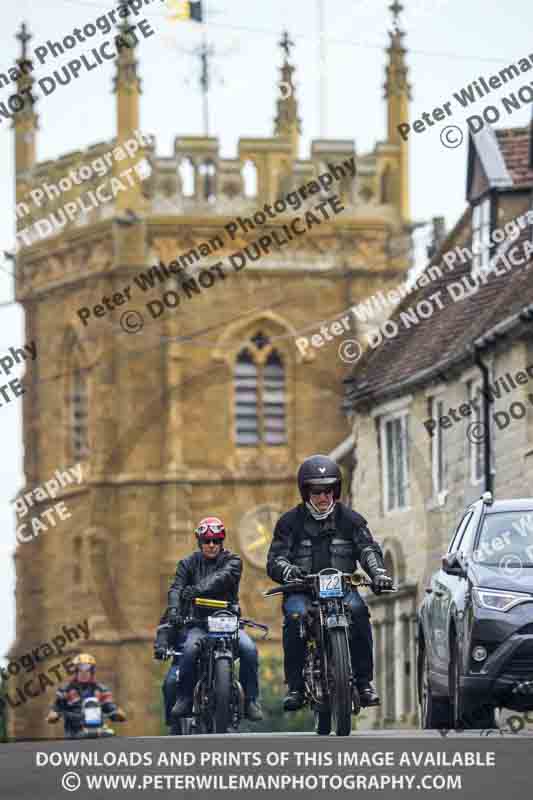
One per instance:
[(160, 652), (188, 593), (293, 573), (381, 581)]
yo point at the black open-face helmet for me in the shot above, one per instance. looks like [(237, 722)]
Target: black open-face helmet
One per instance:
[(319, 470)]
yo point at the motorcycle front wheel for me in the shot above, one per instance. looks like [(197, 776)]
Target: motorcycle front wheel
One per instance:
[(223, 689), (340, 693)]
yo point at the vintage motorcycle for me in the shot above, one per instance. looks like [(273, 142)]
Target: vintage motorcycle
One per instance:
[(218, 699), (330, 685), (93, 720)]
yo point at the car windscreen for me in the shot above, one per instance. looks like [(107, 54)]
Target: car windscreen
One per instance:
[(506, 537)]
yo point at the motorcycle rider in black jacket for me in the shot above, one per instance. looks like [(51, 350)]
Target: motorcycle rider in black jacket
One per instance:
[(318, 533), (215, 573)]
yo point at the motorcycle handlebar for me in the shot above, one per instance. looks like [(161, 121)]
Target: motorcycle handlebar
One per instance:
[(252, 624), (303, 584)]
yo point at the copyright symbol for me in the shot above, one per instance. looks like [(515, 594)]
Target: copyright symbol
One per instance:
[(446, 138), (475, 433), (131, 321), (71, 781), (511, 565), (350, 351)]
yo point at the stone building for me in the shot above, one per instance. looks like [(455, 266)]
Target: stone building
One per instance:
[(211, 406), (418, 439)]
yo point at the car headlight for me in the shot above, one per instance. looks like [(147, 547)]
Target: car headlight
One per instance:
[(499, 600)]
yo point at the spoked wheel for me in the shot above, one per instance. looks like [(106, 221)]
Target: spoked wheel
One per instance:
[(340, 690), (323, 723), (434, 713), (223, 690)]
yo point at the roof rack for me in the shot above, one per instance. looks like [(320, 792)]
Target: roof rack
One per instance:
[(487, 498)]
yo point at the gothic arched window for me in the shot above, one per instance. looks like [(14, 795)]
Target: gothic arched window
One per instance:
[(259, 380), (246, 417), (274, 400), (79, 415)]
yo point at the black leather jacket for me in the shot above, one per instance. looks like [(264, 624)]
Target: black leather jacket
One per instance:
[(218, 578), (339, 541)]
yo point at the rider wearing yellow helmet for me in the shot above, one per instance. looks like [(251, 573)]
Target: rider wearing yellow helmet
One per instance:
[(69, 698)]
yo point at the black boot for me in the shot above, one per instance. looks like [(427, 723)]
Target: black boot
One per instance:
[(369, 697), (182, 708), (254, 711), (293, 700)]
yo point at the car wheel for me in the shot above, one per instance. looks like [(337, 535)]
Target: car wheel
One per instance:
[(434, 712)]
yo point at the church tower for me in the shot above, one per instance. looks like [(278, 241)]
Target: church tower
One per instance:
[(203, 391), (395, 178)]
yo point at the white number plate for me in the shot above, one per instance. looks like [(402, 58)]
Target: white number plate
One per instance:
[(222, 624), (331, 585)]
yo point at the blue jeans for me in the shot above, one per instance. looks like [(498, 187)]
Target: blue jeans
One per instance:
[(249, 664), (294, 606), (170, 690)]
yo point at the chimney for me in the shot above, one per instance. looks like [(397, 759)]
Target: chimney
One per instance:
[(439, 235)]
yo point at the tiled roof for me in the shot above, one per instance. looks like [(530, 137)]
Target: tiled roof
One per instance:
[(443, 338), (514, 145)]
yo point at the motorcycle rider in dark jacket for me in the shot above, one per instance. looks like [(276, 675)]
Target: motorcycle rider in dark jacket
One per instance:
[(318, 533), (69, 698), (215, 573)]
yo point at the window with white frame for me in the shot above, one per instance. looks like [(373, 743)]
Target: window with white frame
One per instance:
[(438, 466), (476, 438), (481, 229), (394, 449)]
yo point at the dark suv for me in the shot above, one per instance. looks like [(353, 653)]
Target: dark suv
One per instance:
[(475, 629)]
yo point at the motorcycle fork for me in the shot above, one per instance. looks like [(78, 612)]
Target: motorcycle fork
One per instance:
[(338, 609), (202, 689)]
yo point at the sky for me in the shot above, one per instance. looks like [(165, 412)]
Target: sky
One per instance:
[(450, 43)]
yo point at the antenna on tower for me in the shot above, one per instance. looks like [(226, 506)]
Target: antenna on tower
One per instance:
[(322, 69), (205, 53)]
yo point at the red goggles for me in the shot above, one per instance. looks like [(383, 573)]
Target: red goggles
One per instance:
[(201, 530)]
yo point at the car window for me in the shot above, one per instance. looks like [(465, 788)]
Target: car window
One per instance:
[(459, 532), (506, 541)]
